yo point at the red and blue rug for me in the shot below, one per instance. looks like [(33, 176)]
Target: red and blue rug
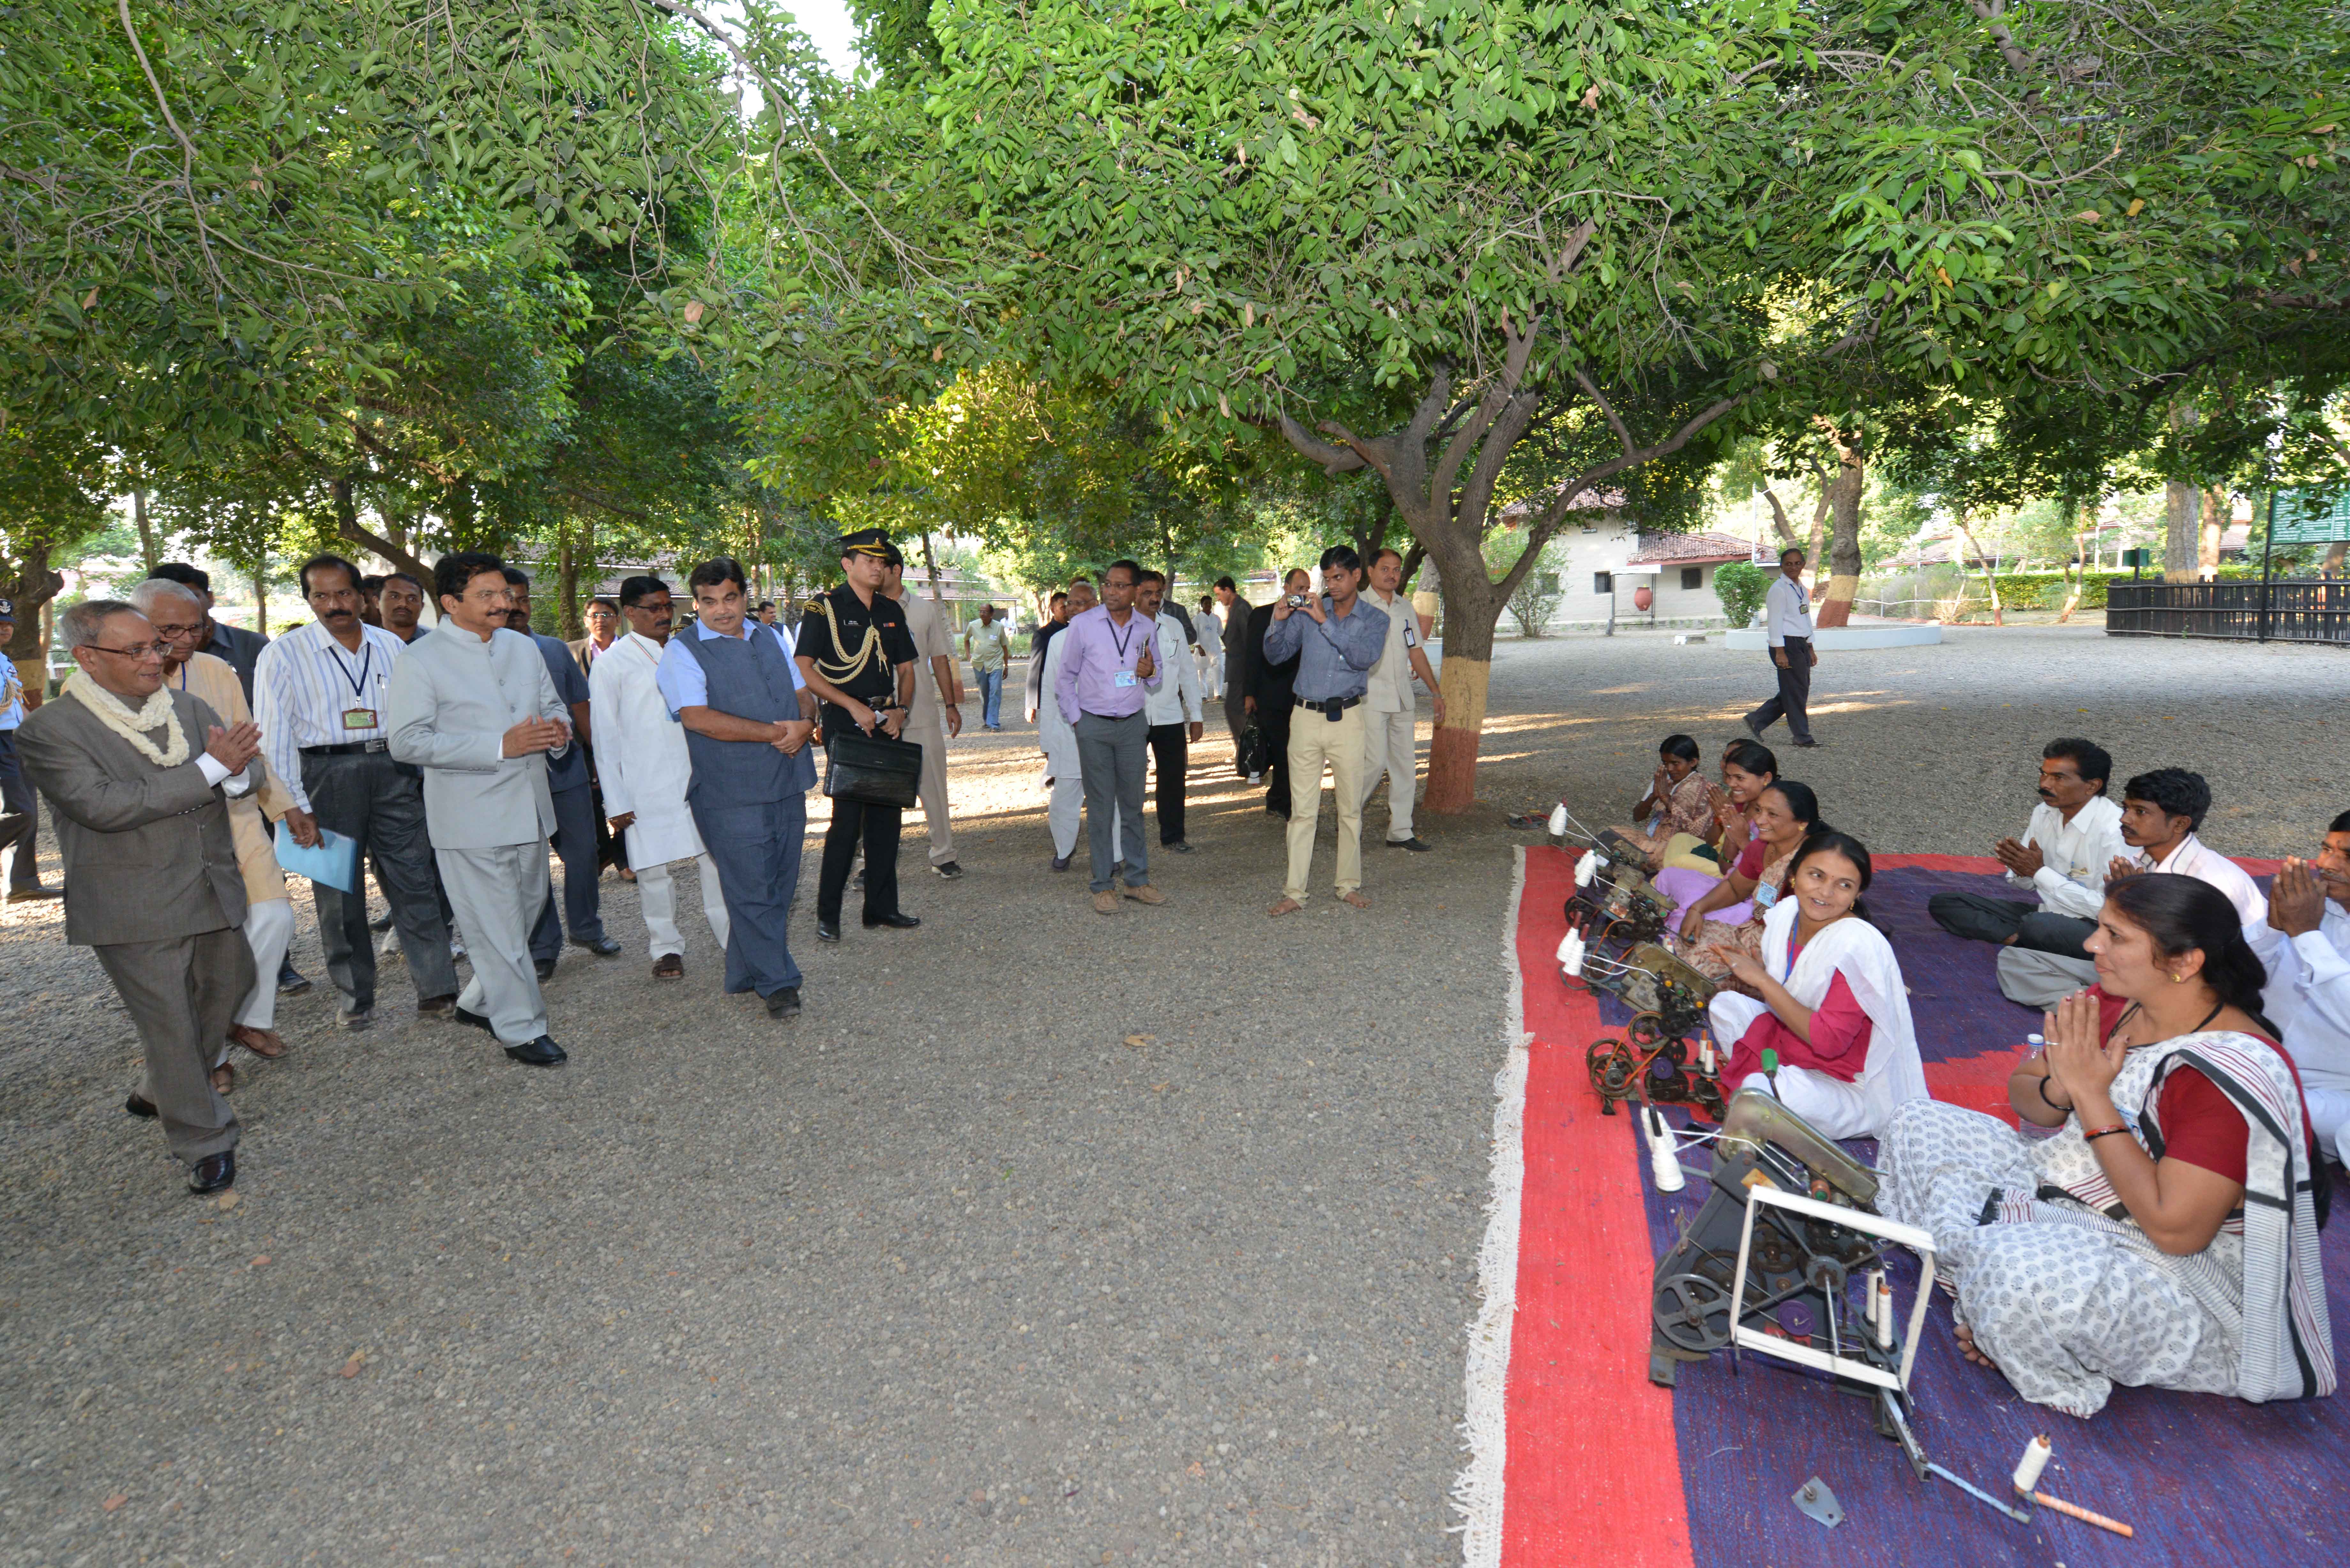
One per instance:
[(1577, 1458)]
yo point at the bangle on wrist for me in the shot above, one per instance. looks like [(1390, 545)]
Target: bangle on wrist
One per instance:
[(2044, 1095), (2103, 1132)]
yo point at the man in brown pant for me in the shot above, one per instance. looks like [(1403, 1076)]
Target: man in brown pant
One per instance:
[(137, 772)]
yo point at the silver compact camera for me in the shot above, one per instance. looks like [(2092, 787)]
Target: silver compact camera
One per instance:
[(1295, 601)]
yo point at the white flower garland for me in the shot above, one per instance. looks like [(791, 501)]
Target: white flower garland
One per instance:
[(117, 716)]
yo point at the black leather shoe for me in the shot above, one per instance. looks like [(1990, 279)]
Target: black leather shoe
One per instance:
[(828, 930), (542, 1052), (381, 926), (1060, 863), (785, 1004), (477, 1020), (1178, 847), (291, 982), (947, 869), (34, 895), (901, 921), (439, 1006), (213, 1172), (545, 969), (1416, 844), (140, 1107), (602, 947)]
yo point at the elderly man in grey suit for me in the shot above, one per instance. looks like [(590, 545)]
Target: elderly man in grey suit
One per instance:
[(137, 772), (473, 705)]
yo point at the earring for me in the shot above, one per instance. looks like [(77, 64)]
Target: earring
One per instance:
[(2179, 980)]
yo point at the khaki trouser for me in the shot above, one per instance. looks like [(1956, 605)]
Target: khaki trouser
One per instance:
[(1388, 751), (1314, 740), (929, 731)]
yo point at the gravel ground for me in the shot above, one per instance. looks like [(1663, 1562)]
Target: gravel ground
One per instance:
[(1042, 1238)]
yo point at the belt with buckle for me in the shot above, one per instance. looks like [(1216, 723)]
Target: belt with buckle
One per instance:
[(347, 749), (1328, 707)]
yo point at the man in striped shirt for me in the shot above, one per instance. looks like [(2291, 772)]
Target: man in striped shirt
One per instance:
[(322, 695)]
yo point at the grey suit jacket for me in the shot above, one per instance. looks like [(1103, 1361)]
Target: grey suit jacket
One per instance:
[(148, 851), (453, 698)]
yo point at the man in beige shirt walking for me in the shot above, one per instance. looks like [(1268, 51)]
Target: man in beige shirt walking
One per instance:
[(937, 710)]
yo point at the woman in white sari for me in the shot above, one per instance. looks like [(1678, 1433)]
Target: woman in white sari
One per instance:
[(1832, 1010), (2167, 1235)]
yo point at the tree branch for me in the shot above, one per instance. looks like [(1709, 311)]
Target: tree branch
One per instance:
[(1335, 460), (1615, 420)]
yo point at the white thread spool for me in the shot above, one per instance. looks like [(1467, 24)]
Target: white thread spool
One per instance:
[(1558, 820), (1664, 1161), (1566, 948), (2035, 1460), (1705, 1057), (1587, 867), (1884, 1312)]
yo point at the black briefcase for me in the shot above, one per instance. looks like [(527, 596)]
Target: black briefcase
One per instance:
[(1254, 754), (873, 769)]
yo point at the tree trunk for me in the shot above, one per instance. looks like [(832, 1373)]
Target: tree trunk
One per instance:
[(567, 589), (2334, 553), (1990, 574), (2076, 574), (261, 596), (1471, 608), (1843, 554), (2218, 507), (2179, 517), (347, 523), (1786, 530), (931, 564), (32, 588), (148, 553)]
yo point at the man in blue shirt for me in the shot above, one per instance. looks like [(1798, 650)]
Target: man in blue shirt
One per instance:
[(732, 683), (1336, 638), (20, 808), (575, 806)]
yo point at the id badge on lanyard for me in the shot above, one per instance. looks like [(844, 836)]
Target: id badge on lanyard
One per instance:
[(358, 716)]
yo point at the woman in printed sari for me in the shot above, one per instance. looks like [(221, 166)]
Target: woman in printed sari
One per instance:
[(1832, 1004), (1677, 808), (1728, 915), (2167, 1235), (1748, 769)]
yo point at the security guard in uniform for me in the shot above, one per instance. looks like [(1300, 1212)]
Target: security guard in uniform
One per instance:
[(857, 654)]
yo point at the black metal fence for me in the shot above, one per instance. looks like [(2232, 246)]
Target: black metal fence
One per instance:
[(2288, 610)]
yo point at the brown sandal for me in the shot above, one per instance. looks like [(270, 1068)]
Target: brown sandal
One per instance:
[(265, 1044)]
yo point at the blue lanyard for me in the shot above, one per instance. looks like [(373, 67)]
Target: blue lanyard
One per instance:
[(366, 660)]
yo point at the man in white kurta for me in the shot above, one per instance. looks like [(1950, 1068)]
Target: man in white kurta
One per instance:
[(1065, 814), (640, 755), (474, 706)]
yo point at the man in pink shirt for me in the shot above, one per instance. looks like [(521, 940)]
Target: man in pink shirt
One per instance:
[(1106, 669)]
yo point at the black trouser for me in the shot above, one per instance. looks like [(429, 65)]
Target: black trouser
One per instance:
[(1794, 691), (1171, 751), (363, 795), (575, 843), (878, 827), (1982, 919), (17, 800), (1274, 723)]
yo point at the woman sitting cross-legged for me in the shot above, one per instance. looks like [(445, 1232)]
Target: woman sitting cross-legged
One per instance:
[(1730, 913), (1832, 1003), (2167, 1235), (1748, 769), (1677, 810)]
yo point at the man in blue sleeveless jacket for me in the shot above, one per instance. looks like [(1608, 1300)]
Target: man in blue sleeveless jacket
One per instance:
[(732, 684)]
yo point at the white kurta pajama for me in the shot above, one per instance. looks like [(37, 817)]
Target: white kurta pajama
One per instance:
[(2066, 1293), (642, 762), (1893, 1075)]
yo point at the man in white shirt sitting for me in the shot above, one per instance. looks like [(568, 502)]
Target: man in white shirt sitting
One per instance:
[(2304, 944), (2075, 834), (2160, 812)]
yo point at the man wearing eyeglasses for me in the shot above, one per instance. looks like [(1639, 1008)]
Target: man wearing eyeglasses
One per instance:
[(139, 775), (322, 693)]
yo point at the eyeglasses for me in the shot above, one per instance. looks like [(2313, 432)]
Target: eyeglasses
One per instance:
[(174, 633), (157, 649)]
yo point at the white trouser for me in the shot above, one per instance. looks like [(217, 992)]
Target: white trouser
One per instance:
[(1388, 749), (496, 894), (1065, 814), (268, 931), (2034, 979), (2329, 1115), (657, 897), (1834, 1107)]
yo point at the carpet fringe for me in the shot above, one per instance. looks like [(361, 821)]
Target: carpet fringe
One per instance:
[(1477, 1494)]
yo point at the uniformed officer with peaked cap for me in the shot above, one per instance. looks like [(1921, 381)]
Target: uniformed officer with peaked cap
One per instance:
[(857, 654)]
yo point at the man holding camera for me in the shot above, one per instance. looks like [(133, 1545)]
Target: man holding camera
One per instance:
[(1334, 657)]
